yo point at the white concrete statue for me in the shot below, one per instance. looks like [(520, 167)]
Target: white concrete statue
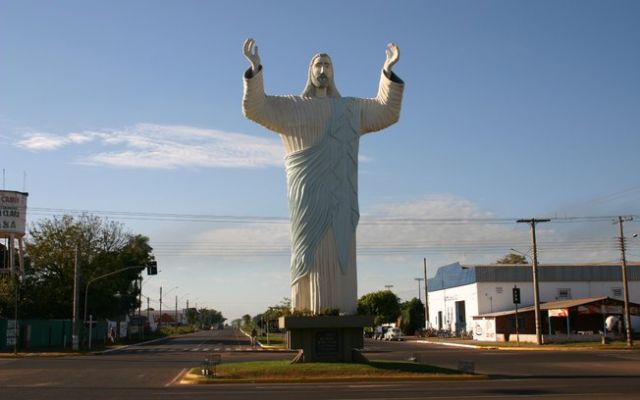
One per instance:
[(321, 131)]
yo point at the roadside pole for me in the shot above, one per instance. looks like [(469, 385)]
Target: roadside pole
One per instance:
[(516, 301), (625, 281), (159, 325), (90, 329), (75, 345), (536, 291), (427, 320)]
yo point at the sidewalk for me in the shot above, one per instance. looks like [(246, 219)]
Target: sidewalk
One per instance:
[(523, 346)]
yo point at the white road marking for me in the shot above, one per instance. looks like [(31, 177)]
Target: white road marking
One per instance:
[(176, 378)]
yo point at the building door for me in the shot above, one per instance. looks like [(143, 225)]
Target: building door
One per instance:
[(461, 317), (439, 320)]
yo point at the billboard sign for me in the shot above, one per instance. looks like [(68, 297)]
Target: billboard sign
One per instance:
[(13, 213)]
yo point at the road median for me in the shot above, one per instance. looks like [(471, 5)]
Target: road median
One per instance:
[(286, 372)]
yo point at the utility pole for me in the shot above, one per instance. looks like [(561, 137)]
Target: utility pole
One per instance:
[(160, 319), (426, 297), (74, 320), (16, 326), (536, 291), (176, 316), (625, 282), (140, 297), (419, 290)]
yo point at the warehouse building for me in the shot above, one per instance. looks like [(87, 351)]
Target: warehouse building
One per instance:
[(458, 293)]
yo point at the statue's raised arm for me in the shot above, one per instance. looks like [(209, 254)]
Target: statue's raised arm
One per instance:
[(393, 56), (250, 51)]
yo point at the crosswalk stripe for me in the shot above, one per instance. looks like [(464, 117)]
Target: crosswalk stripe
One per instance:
[(189, 349)]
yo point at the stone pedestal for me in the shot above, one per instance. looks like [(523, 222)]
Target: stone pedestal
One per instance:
[(326, 338)]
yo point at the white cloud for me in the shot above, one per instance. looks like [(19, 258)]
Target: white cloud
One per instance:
[(81, 138), (164, 146), (42, 141), (443, 228)]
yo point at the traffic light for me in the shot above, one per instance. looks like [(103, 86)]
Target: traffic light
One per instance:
[(516, 295), (152, 268)]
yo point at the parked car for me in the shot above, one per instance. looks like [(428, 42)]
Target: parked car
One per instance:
[(393, 334)]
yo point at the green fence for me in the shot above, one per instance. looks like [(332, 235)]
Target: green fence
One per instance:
[(48, 334)]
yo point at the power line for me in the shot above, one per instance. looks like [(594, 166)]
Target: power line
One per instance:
[(372, 220)]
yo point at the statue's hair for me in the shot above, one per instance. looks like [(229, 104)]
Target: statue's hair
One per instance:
[(309, 88)]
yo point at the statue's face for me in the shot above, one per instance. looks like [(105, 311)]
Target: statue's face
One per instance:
[(321, 72)]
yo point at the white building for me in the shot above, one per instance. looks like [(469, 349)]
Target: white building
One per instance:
[(458, 292)]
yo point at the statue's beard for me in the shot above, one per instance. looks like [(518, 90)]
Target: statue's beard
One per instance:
[(321, 81)]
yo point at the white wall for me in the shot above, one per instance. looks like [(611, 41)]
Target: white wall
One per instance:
[(445, 301), (486, 297), (485, 329)]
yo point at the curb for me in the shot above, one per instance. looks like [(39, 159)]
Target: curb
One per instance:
[(189, 378), (466, 346)]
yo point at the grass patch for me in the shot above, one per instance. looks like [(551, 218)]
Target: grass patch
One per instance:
[(284, 371), (274, 339)]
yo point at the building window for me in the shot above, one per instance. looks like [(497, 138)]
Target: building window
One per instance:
[(499, 289), (564, 293), (616, 292)]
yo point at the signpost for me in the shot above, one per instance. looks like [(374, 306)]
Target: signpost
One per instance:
[(516, 301)]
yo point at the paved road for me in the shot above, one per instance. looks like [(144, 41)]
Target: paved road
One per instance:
[(515, 363), (151, 371)]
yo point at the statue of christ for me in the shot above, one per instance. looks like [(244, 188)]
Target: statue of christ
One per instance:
[(321, 132)]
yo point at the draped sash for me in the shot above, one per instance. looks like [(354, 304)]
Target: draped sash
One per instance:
[(323, 190)]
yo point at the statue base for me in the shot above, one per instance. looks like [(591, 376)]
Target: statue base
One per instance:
[(326, 338)]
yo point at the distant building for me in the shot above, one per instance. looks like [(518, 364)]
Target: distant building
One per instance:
[(560, 321), (168, 318), (459, 292)]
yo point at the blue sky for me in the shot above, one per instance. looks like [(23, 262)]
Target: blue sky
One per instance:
[(512, 109)]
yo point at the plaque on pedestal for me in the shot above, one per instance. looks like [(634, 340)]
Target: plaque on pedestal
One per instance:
[(326, 338)]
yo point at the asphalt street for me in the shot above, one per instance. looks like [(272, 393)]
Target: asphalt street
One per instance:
[(152, 371)]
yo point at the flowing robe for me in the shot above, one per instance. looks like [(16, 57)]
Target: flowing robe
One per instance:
[(321, 137)]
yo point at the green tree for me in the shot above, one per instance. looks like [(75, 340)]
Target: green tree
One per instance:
[(271, 315), (210, 317), (383, 305), (246, 321), (101, 247), (412, 316), (512, 258), (7, 295)]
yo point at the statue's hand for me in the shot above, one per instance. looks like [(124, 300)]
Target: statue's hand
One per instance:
[(393, 55), (251, 54)]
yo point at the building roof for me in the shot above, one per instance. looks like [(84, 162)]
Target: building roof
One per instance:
[(456, 274), (552, 305)]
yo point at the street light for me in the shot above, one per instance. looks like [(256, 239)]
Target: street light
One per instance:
[(169, 291), (86, 291), (525, 255), (177, 299)]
